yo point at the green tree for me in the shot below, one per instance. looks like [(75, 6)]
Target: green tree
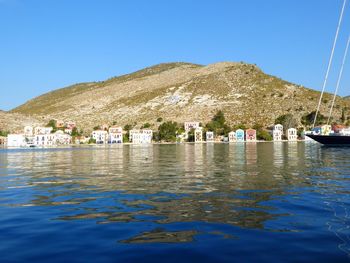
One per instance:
[(159, 119), (75, 132), (190, 135), (218, 124), (4, 133), (52, 124), (308, 119), (126, 136), (146, 125), (96, 128), (287, 120), (219, 118), (167, 131), (128, 127), (91, 140), (263, 135)]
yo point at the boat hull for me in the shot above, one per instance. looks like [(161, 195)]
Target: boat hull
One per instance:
[(334, 140)]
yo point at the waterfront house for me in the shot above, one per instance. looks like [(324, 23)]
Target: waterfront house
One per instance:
[(28, 131), (16, 140), (209, 136), (337, 128), (191, 125), (60, 124), (68, 131), (278, 127), (277, 132), (326, 129), (240, 135), (45, 139), (232, 136), (42, 130), (292, 134), (250, 135), (277, 135), (141, 136), (131, 134), (62, 138), (115, 135), (71, 125), (100, 136), (198, 134)]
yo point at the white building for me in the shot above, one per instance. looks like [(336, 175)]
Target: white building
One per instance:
[(68, 131), (191, 125), (62, 138), (28, 131), (198, 134), (131, 134), (141, 136), (292, 134), (277, 135), (209, 136), (45, 139), (277, 132), (16, 140), (278, 127), (115, 135), (42, 130), (232, 136), (100, 136)]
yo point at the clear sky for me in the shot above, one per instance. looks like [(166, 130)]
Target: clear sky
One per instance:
[(45, 45)]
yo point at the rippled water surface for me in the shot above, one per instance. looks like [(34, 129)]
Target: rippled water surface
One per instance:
[(260, 202)]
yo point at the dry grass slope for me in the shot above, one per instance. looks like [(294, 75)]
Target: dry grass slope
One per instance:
[(180, 92)]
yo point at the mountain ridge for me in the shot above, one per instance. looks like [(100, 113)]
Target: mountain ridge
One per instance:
[(180, 91)]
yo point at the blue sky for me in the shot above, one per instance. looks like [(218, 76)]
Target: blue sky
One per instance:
[(47, 45)]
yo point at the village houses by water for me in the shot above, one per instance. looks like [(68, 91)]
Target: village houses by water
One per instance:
[(65, 134)]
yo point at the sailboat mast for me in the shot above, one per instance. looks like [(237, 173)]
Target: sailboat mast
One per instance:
[(339, 79), (329, 63)]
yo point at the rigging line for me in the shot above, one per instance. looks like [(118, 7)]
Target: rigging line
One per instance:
[(329, 62), (339, 79)]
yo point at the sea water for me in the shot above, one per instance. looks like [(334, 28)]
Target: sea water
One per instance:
[(253, 202)]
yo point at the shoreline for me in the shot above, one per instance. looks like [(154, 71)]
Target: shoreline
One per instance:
[(145, 144)]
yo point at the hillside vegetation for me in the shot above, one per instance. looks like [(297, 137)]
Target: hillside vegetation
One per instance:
[(181, 92)]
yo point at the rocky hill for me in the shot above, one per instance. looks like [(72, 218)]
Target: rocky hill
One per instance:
[(179, 92), (15, 121)]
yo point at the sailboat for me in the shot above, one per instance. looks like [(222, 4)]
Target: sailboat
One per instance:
[(334, 139)]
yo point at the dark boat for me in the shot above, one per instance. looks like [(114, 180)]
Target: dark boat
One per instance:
[(333, 140)]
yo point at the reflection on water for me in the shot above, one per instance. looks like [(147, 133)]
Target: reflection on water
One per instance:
[(177, 194)]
